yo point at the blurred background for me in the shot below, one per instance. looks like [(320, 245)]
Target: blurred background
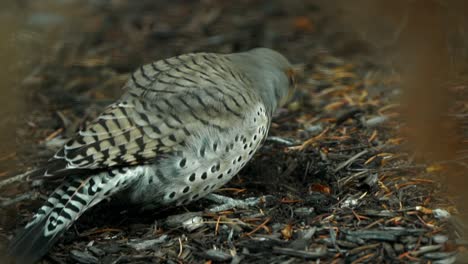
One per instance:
[(63, 60)]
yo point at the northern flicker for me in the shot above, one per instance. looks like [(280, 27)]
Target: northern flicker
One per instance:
[(183, 128)]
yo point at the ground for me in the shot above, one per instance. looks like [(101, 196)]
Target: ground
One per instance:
[(342, 187)]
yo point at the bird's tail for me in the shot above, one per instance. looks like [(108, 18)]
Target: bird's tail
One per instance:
[(61, 210)]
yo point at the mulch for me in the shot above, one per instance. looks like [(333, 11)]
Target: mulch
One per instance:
[(341, 185)]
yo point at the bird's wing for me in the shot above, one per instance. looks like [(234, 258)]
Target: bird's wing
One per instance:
[(165, 103), (124, 134)]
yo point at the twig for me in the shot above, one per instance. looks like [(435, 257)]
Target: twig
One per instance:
[(350, 160), (181, 248), (19, 198), (15, 178), (258, 227), (280, 140), (319, 252)]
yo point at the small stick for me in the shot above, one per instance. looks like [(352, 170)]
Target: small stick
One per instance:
[(19, 198), (350, 160), (15, 178)]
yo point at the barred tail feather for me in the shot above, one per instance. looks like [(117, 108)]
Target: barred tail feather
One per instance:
[(31, 243), (62, 209)]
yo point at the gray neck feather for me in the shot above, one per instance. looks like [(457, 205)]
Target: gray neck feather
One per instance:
[(267, 71)]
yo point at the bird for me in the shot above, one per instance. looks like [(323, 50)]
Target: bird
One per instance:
[(183, 128)]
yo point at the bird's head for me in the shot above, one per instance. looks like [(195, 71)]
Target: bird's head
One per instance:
[(271, 73)]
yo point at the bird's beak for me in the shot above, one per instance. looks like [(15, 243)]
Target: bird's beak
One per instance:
[(291, 73), (292, 77)]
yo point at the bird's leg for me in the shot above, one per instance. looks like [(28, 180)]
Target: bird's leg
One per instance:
[(227, 203)]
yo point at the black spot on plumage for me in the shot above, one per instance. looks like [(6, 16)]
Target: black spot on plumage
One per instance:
[(192, 177), (204, 176), (186, 189), (59, 222), (111, 141), (126, 135), (79, 140), (49, 204), (63, 200), (215, 146), (156, 129), (160, 143), (140, 142), (73, 207), (182, 162), (104, 180), (80, 200), (70, 192), (56, 195), (144, 117), (167, 102), (71, 155), (66, 215), (75, 184), (92, 192), (50, 226), (202, 151), (104, 125), (213, 169), (176, 118), (220, 176), (145, 75), (41, 211), (60, 153), (105, 153), (138, 156), (92, 182), (172, 138)]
